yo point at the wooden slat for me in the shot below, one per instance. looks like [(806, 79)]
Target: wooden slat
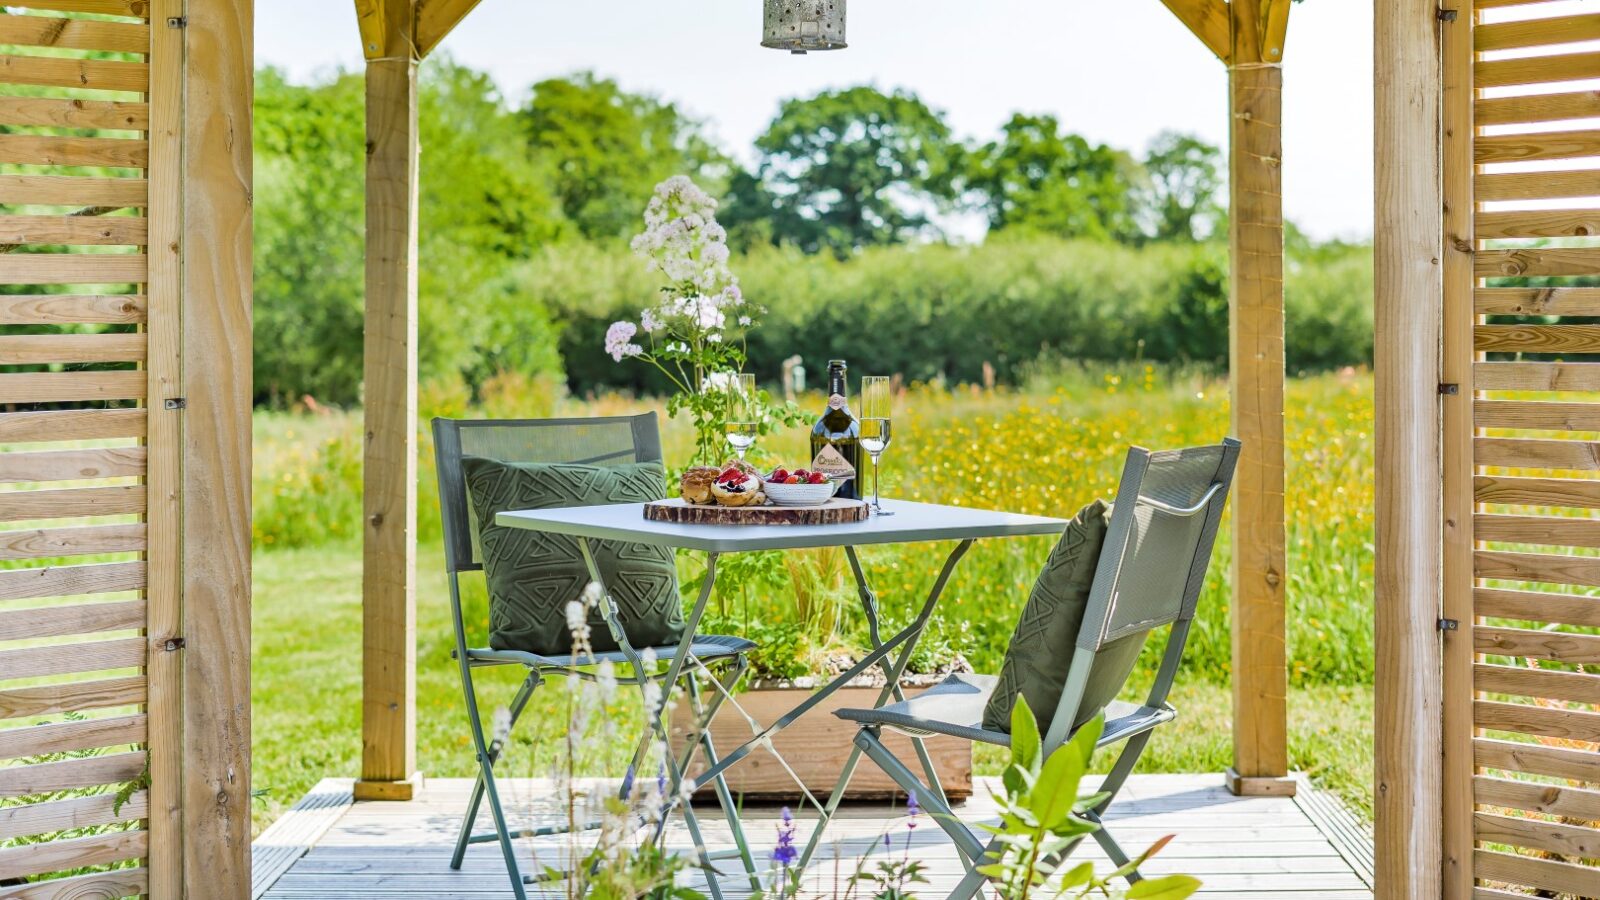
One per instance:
[(1542, 261), (37, 349), (1545, 684), (1537, 415), (71, 190), (1537, 70), (1535, 759), (1530, 147), (71, 581), (71, 659), (1550, 799), (1538, 108), (68, 387), (74, 736), (116, 500), (78, 230), (116, 883), (44, 543), (1535, 873), (1526, 718), (72, 268), (1536, 376), (77, 812), (71, 853), (1536, 32), (1538, 223), (1559, 531), (72, 774), (136, 9), (1537, 185), (1539, 301), (1546, 568), (49, 699), (1571, 492), (74, 34), (93, 74), (1538, 606), (1537, 834), (1556, 646), (75, 113), (71, 465), (60, 621), (1531, 453), (55, 150), (72, 425), (63, 309)]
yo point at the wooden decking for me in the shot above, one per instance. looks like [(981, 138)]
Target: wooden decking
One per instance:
[(1304, 848)]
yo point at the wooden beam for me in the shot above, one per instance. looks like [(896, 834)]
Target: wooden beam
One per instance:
[(374, 19), (436, 19), (1256, 373), (1408, 307), (389, 482), (1274, 29), (215, 440), (1208, 19)]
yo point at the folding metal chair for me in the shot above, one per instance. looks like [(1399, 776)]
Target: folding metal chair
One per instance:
[(1151, 568), (612, 441)]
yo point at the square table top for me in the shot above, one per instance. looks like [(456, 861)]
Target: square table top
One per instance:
[(911, 523)]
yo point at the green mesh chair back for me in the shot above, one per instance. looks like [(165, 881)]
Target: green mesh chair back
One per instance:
[(605, 441)]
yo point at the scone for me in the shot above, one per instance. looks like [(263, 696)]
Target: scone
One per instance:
[(695, 487)]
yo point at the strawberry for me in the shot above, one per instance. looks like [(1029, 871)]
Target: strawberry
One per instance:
[(818, 478), (795, 479), (802, 473), (780, 475)]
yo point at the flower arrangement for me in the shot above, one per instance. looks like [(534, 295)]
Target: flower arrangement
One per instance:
[(695, 333)]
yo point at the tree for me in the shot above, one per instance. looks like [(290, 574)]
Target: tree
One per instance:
[(1039, 177), (607, 149), (1184, 180), (848, 169)]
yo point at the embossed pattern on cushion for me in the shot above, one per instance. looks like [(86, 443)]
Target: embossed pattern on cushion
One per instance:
[(1045, 640), (532, 575)]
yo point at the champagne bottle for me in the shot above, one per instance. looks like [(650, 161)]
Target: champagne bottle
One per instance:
[(836, 438)]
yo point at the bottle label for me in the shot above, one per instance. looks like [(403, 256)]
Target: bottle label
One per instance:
[(832, 463), (836, 401)]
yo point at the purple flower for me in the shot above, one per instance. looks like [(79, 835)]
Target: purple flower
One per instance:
[(912, 810), (785, 853), (619, 339)]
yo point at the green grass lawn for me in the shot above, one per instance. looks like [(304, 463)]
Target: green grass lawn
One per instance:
[(306, 679)]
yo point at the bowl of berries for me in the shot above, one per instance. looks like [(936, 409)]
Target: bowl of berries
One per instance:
[(799, 487)]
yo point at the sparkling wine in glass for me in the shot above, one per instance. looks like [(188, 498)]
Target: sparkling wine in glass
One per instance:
[(877, 400), (742, 425)]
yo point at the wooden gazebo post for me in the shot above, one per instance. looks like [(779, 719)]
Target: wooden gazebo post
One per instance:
[(1248, 35), (395, 36)]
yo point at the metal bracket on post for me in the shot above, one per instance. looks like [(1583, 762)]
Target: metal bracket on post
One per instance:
[(175, 403), (178, 22), (1447, 15), (1449, 625), (1449, 390)]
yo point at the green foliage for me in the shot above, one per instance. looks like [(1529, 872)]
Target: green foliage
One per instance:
[(607, 149), (1041, 817), (1041, 178), (484, 204), (936, 312), (848, 169), (1184, 177)]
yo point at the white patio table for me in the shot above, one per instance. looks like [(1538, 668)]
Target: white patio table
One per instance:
[(911, 523)]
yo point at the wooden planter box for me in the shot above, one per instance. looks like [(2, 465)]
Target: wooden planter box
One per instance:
[(816, 747)]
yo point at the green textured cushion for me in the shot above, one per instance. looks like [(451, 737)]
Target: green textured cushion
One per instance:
[(1045, 640), (532, 575)]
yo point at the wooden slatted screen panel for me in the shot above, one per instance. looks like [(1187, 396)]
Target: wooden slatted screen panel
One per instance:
[(1523, 322), (75, 447)]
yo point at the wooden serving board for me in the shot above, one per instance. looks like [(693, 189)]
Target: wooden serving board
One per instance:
[(834, 512)]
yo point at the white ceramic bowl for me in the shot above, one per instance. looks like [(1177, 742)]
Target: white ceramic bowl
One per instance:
[(801, 494)]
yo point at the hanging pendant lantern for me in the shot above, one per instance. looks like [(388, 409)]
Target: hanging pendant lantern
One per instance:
[(800, 26)]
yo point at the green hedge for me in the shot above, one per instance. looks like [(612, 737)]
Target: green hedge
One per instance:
[(939, 311)]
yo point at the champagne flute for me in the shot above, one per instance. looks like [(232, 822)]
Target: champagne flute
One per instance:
[(742, 424), (877, 400)]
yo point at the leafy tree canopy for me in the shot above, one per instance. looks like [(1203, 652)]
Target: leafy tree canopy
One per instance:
[(848, 169), (1185, 176), (607, 149), (1042, 178)]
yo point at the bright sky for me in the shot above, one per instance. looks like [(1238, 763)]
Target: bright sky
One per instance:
[(1115, 72)]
